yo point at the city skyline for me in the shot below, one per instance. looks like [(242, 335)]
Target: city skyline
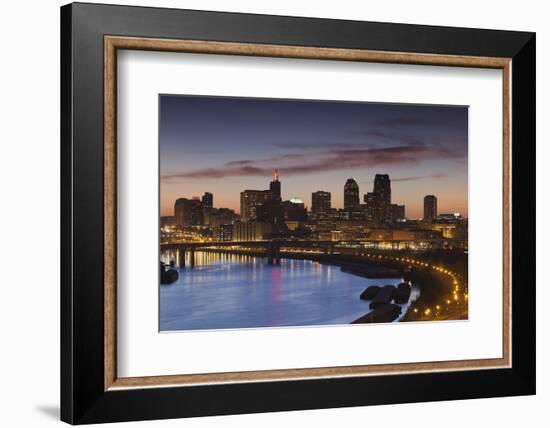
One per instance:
[(325, 198), (227, 145), (363, 197)]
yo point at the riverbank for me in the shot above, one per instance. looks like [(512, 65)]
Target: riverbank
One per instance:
[(441, 276), (438, 300)]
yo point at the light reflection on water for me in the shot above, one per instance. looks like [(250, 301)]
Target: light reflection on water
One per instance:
[(234, 291)]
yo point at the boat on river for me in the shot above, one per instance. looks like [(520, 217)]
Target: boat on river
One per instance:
[(168, 274)]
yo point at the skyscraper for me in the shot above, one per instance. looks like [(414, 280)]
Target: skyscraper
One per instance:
[(382, 191), (275, 186), (188, 212), (320, 201), (207, 206), (263, 205), (397, 212), (351, 195), (208, 200), (271, 211), (370, 201), (251, 200), (430, 207), (294, 210)]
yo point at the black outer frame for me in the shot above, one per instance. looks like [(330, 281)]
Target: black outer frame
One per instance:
[(83, 399)]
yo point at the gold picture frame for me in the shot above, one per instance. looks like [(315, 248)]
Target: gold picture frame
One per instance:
[(114, 43)]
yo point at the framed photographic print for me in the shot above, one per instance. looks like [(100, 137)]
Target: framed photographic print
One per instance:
[(265, 213), (246, 257)]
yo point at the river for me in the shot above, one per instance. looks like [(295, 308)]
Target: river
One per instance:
[(237, 291)]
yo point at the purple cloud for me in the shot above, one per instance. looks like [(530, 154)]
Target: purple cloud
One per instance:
[(337, 157), (410, 178)]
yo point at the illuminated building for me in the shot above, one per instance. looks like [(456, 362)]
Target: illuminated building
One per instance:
[(323, 222), (381, 234), (452, 226), (223, 232), (449, 217), (292, 225), (275, 186), (188, 212), (207, 205), (349, 230), (447, 229), (251, 200), (416, 235), (378, 202), (167, 220), (251, 231), (271, 211), (430, 208), (320, 201), (208, 200), (263, 205), (397, 212), (294, 210), (351, 194), (342, 235), (369, 199), (357, 213), (382, 198), (221, 216)]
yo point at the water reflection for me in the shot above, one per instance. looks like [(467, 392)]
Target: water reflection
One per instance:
[(241, 291)]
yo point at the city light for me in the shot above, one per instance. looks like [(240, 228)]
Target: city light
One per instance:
[(271, 227)]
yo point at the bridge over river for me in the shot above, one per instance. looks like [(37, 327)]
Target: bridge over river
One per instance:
[(273, 248)]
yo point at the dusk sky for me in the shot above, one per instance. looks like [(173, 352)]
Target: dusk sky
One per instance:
[(225, 145)]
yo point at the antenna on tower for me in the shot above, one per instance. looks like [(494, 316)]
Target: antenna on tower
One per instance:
[(275, 175)]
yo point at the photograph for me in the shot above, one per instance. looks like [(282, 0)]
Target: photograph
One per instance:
[(268, 210), (290, 212)]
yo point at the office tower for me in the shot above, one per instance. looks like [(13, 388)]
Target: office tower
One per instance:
[(271, 211), (275, 186), (208, 200), (222, 216), (188, 212), (320, 201), (382, 198), (430, 207), (397, 212), (251, 200), (207, 206), (369, 199), (251, 231), (351, 195), (294, 210), (225, 232)]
